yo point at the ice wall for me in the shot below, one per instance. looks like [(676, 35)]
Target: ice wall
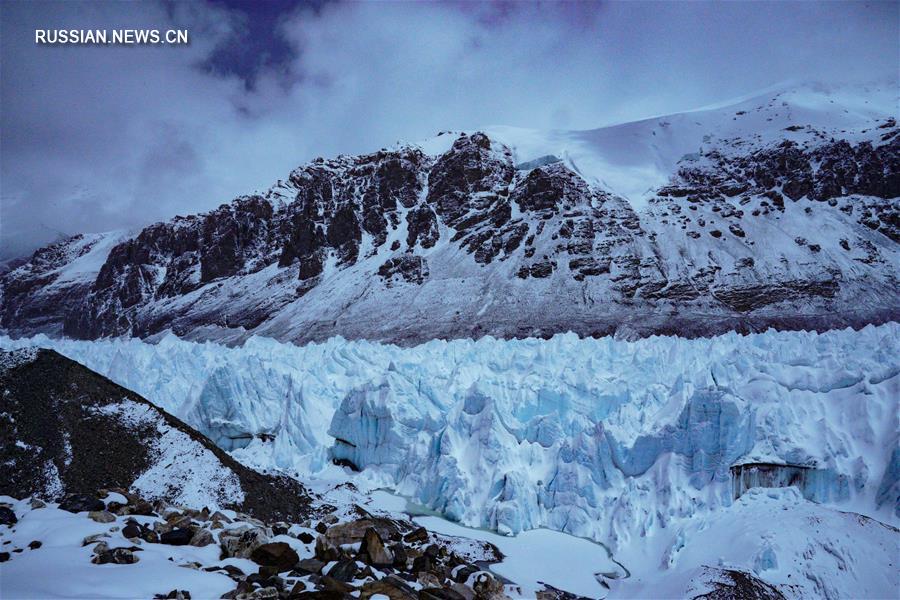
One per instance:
[(597, 437)]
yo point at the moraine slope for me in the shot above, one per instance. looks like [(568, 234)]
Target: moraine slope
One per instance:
[(68, 430)]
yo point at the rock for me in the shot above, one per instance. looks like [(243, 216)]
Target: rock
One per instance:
[(34, 544), (177, 537), (36, 503), (306, 537), (175, 595), (298, 587), (463, 590), (276, 554), (325, 550), (116, 556), (131, 530), (428, 580), (240, 542), (93, 539), (137, 507), (102, 516), (4, 556), (100, 548), (334, 585), (179, 521), (161, 528), (8, 516), (353, 532), (487, 587), (310, 566), (436, 593), (242, 588), (373, 550), (82, 503), (416, 535), (266, 593), (344, 570), (422, 563), (218, 516), (462, 573), (391, 586), (230, 570), (400, 555), (203, 537)]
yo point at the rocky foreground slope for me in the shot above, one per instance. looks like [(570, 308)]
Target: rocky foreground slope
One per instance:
[(67, 430), (781, 210)]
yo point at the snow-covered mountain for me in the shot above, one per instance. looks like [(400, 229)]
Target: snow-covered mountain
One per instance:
[(778, 210)]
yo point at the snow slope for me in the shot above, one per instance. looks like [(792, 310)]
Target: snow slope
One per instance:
[(805, 549), (634, 159), (600, 438), (61, 567)]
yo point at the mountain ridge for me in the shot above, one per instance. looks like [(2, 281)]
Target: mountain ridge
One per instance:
[(784, 216)]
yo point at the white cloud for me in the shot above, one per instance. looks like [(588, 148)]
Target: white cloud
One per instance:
[(95, 137)]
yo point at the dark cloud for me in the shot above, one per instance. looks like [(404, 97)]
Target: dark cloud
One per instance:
[(95, 138)]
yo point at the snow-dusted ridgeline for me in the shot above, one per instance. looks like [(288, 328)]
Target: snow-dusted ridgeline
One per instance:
[(779, 211), (600, 438)]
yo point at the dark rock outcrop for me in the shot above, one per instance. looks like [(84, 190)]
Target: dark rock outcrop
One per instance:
[(64, 437)]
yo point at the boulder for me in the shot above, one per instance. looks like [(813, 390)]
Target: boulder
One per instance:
[(276, 554), (177, 537), (462, 573), (266, 593), (8, 516), (416, 535), (463, 590), (175, 595), (331, 584), (102, 516), (298, 587), (391, 586), (310, 566), (325, 550), (93, 539), (353, 532), (240, 542), (488, 587), (400, 555), (203, 537), (82, 503), (436, 593), (116, 556), (343, 570), (373, 550)]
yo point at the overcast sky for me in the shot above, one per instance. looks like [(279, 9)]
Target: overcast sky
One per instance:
[(100, 137)]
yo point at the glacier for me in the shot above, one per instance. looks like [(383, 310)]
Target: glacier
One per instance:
[(600, 438)]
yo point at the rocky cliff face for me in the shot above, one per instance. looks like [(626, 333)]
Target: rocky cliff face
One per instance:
[(791, 227)]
